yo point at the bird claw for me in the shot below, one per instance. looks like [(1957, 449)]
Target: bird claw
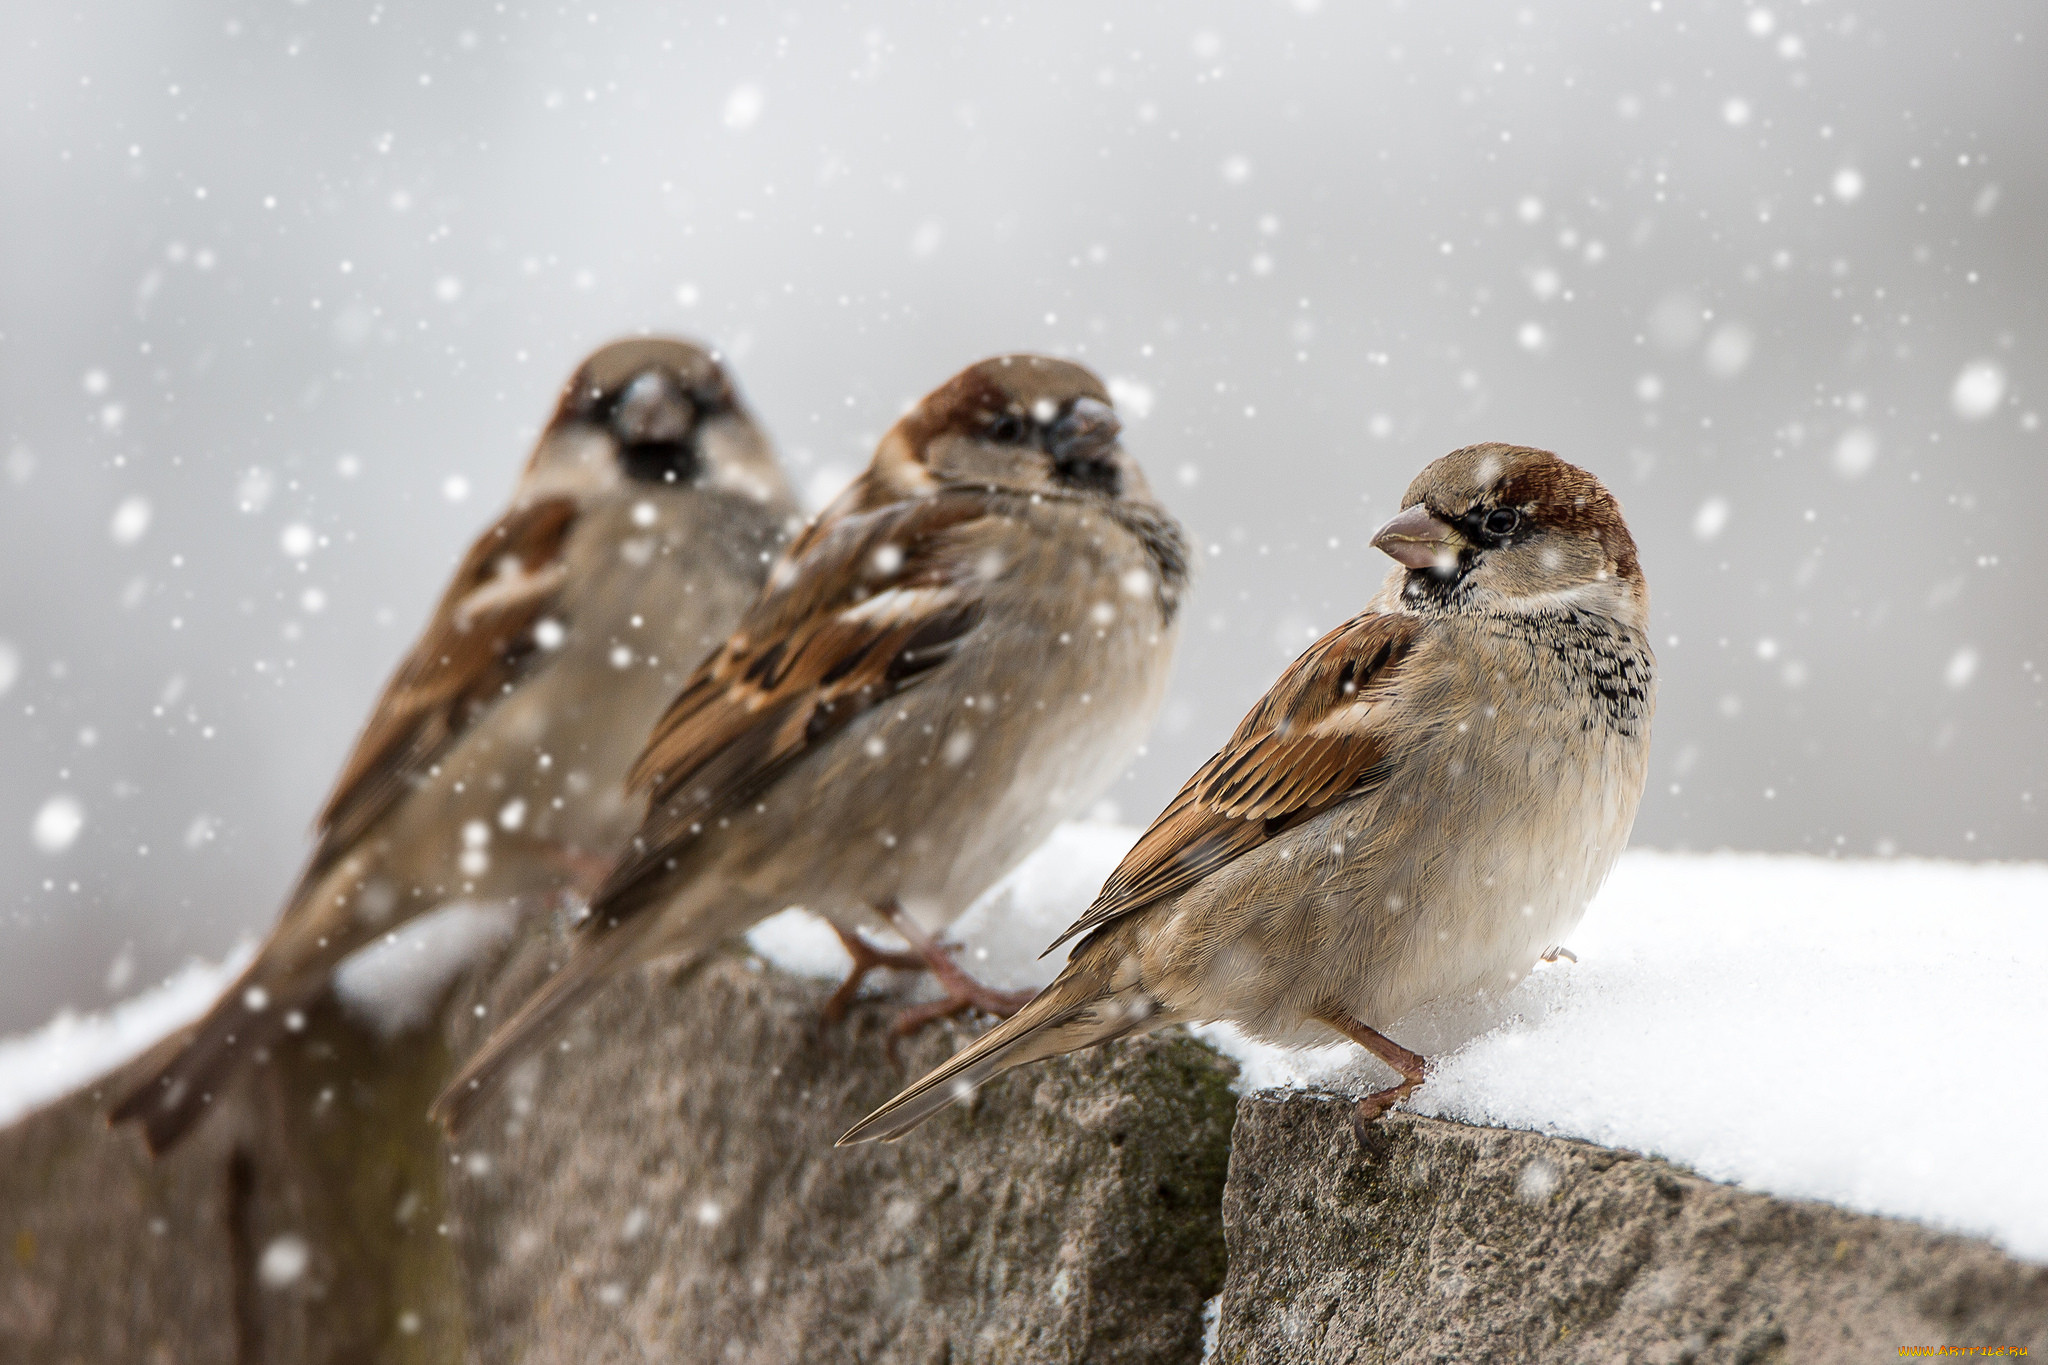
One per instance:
[(866, 958), (1361, 1125), (963, 992), (966, 994), (1370, 1109), (1555, 953), (1412, 1066), (990, 1001)]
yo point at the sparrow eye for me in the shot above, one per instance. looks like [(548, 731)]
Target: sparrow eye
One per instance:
[(1502, 522), (1007, 429)]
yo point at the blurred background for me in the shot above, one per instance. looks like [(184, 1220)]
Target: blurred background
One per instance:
[(286, 289)]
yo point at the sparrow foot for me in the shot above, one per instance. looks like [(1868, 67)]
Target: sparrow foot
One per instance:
[(971, 995), (963, 992), (1377, 1103), (866, 958), (1413, 1066), (1555, 953)]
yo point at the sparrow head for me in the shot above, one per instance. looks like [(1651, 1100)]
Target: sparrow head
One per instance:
[(1027, 423), (661, 411), (1506, 528)]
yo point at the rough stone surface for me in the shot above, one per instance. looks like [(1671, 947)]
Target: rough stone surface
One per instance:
[(300, 1223), (107, 1256), (664, 1189), (1073, 1214), (1443, 1242)]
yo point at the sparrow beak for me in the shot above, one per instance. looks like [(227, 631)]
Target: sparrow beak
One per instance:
[(653, 410), (1419, 540), (1085, 435)]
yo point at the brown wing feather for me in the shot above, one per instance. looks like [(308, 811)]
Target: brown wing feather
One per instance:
[(477, 644), (1308, 744), (868, 606)]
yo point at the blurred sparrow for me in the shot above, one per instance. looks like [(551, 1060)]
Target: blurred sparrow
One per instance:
[(960, 652), (493, 765), (1420, 807)]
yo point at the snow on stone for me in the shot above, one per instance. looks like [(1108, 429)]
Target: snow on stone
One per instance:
[(1006, 930), (394, 984), (798, 941), (1865, 1033), (1002, 933), (73, 1048)]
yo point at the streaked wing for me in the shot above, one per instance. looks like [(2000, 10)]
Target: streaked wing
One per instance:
[(479, 643), (865, 607), (1316, 737)]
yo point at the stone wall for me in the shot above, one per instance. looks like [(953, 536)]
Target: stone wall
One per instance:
[(665, 1188), (1448, 1242)]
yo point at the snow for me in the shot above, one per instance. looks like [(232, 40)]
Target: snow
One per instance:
[(57, 824), (1978, 390), (74, 1048), (284, 1261), (393, 984), (1002, 933), (1867, 1033)]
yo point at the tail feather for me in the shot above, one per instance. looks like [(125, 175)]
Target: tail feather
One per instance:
[(186, 1072), (543, 1015), (1074, 1012)]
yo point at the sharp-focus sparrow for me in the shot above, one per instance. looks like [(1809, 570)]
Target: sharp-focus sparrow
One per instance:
[(493, 765), (1421, 806), (960, 652)]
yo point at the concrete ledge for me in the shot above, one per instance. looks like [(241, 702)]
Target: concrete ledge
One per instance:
[(666, 1189), (1453, 1243), (647, 1206)]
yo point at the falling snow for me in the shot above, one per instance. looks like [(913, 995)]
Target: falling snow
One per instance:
[(1770, 272), (58, 823), (131, 520), (1978, 390), (743, 107)]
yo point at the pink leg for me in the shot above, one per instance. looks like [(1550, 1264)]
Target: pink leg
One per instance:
[(963, 992), (1412, 1066), (866, 957)]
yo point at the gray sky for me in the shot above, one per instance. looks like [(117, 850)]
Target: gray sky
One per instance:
[(287, 288)]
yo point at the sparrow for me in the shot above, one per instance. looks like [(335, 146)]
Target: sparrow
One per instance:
[(960, 652), (493, 764), (1419, 808)]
